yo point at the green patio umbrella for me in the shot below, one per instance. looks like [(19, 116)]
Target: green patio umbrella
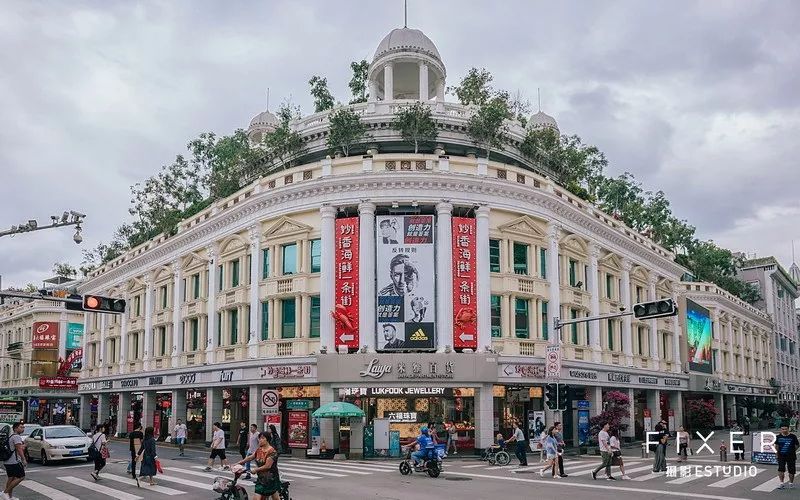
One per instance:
[(338, 409)]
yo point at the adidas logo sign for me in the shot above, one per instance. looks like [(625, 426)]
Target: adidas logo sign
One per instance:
[(418, 335)]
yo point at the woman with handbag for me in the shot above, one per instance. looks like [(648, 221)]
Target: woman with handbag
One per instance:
[(149, 456), (100, 450), (268, 484), (616, 453)]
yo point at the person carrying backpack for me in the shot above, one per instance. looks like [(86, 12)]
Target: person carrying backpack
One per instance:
[(100, 453), (12, 451)]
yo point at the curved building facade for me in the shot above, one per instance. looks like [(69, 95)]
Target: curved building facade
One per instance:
[(421, 287)]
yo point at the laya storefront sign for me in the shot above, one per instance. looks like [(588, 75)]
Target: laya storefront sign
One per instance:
[(288, 371), (413, 370)]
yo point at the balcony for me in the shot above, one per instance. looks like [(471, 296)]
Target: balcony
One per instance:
[(193, 308), (574, 296), (237, 296)]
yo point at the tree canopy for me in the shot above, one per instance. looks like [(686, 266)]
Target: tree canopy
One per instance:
[(323, 99), (415, 124), (358, 83), (346, 130)]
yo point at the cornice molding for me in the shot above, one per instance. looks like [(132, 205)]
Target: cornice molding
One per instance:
[(380, 187)]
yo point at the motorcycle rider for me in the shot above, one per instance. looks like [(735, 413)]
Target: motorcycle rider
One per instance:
[(425, 446)]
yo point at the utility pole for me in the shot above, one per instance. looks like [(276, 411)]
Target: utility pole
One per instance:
[(71, 218)]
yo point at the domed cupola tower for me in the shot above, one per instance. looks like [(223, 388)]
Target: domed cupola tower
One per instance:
[(406, 65), (541, 121), (261, 124)]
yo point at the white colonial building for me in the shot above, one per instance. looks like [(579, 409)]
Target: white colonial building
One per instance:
[(421, 287)]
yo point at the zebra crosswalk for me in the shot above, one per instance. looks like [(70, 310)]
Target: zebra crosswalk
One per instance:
[(182, 480)]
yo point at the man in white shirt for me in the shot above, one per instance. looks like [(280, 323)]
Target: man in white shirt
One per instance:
[(520, 450), (15, 464), (605, 451), (218, 448), (180, 436)]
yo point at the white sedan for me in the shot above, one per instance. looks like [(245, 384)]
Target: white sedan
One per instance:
[(57, 442)]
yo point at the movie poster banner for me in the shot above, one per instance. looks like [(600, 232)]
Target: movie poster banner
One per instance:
[(345, 311), (405, 270), (698, 337), (465, 301)]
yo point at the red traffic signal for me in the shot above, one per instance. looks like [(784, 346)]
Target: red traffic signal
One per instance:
[(97, 303)]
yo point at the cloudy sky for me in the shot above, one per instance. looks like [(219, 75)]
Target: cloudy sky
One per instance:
[(699, 99)]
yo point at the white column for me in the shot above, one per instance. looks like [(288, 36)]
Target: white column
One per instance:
[(85, 416), (255, 303), (719, 402), (148, 321), (178, 404), (62, 339), (484, 289), (326, 431), (444, 264), (595, 396), (654, 344), (676, 405), (123, 407), (148, 407), (484, 417), (327, 278), (440, 91), (366, 275), (305, 306), (373, 91), (177, 331), (625, 295), (630, 431), (423, 81), (388, 82), (594, 304), (103, 407), (654, 405), (123, 338), (211, 304), (254, 408), (103, 335), (213, 410), (554, 305), (677, 366)]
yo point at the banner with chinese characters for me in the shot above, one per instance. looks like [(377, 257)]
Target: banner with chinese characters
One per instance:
[(465, 300), (404, 269), (298, 429), (45, 335), (345, 313)]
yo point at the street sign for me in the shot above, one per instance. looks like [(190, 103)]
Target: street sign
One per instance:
[(553, 362), (269, 401)]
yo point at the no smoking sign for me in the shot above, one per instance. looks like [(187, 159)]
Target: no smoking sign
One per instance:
[(269, 401)]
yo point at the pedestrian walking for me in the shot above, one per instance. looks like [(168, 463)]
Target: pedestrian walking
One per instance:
[(275, 439), (519, 438), (683, 444), (268, 484), (180, 436), (16, 463), (793, 423), (603, 440), (218, 448), (452, 434), (786, 446), (432, 432), (242, 439), (616, 452), (136, 439), (660, 462), (149, 455), (746, 424), (99, 441), (550, 447), (558, 434), (252, 446)]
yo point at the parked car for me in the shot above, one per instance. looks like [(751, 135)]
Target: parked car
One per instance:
[(30, 428), (57, 442)]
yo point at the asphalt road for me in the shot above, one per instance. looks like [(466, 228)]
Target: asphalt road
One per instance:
[(464, 477)]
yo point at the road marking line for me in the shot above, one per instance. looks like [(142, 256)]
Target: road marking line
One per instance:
[(377, 465), (207, 474), (732, 480), (294, 468), (647, 477), (768, 486), (351, 469), (471, 466), (110, 492), (685, 479), (159, 489), (593, 486), (47, 491), (589, 470), (185, 482), (294, 474)]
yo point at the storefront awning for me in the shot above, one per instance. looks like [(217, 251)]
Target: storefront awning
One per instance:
[(338, 409)]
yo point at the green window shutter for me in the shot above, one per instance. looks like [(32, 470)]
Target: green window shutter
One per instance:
[(315, 314), (288, 319)]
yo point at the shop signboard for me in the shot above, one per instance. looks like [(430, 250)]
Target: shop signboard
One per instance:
[(465, 299), (45, 335), (298, 429), (11, 410), (583, 426), (44, 363), (288, 371), (298, 404), (402, 416), (406, 303), (65, 383), (74, 335), (69, 364), (698, 337), (346, 287), (398, 391)]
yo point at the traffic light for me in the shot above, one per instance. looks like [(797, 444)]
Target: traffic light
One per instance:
[(551, 395), (97, 303), (562, 397), (74, 306), (655, 309)]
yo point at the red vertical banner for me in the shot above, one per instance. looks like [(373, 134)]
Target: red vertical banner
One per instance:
[(345, 313), (298, 429), (465, 300)]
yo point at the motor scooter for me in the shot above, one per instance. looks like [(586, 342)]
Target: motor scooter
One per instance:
[(432, 464)]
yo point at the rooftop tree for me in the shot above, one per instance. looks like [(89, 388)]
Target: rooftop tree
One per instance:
[(358, 83), (415, 124), (346, 130), (323, 99)]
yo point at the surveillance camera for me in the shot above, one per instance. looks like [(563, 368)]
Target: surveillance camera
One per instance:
[(621, 309), (77, 238)]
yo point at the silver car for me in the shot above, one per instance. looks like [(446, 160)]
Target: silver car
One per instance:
[(57, 442)]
